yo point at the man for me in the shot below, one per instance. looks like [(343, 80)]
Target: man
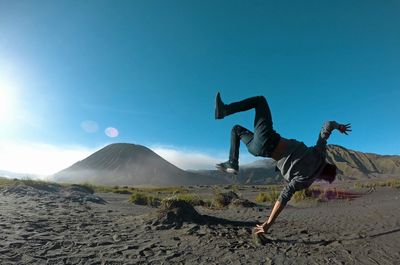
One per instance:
[(299, 165)]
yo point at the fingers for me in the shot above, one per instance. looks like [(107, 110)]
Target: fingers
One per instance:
[(259, 229), (345, 128)]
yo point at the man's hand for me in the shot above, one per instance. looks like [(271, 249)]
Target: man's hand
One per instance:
[(260, 229), (345, 128), (263, 228)]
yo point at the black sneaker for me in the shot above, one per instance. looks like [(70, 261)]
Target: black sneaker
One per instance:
[(219, 107), (228, 167)]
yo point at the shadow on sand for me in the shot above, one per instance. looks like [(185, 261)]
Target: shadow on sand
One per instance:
[(265, 239), (212, 220)]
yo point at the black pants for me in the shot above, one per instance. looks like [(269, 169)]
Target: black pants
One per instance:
[(264, 139)]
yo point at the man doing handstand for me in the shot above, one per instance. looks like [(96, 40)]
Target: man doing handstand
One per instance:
[(299, 165)]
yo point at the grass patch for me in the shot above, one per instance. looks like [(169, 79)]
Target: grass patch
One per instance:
[(37, 184), (6, 182), (270, 196), (144, 199), (325, 194), (392, 183), (302, 195), (223, 199), (232, 187), (165, 190), (98, 188), (123, 191), (273, 196), (261, 197), (131, 190), (229, 198), (274, 187), (192, 199)]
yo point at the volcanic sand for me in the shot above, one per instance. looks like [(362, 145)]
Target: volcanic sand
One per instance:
[(73, 227)]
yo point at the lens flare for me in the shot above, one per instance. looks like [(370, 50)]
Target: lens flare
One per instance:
[(111, 132)]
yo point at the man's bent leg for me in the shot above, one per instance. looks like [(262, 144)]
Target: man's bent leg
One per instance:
[(238, 133), (265, 138), (258, 103)]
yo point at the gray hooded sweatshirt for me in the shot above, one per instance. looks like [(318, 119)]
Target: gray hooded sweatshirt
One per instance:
[(301, 165)]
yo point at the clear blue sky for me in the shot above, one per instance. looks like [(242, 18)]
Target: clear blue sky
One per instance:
[(151, 69)]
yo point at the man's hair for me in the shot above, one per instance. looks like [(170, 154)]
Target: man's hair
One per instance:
[(328, 173)]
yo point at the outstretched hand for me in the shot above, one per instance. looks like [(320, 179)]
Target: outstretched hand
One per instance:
[(259, 229), (345, 128)]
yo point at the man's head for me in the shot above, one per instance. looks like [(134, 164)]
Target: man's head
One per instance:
[(328, 173)]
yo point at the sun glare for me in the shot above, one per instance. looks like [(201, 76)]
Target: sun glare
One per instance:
[(6, 104)]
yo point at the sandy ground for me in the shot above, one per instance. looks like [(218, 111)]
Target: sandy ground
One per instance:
[(67, 227)]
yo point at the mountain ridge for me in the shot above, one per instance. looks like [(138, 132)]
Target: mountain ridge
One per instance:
[(131, 164)]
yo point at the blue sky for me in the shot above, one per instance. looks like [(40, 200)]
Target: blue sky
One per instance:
[(151, 69)]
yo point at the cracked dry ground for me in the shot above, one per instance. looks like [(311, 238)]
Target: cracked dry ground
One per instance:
[(47, 228)]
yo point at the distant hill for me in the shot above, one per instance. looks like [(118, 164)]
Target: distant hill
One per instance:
[(358, 165), (259, 172), (352, 165), (129, 164)]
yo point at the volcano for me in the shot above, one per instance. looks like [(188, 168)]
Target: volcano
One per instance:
[(129, 164)]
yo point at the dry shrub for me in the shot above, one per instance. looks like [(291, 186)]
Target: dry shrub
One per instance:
[(302, 195), (123, 191), (174, 211), (144, 199), (261, 197), (192, 199), (223, 199)]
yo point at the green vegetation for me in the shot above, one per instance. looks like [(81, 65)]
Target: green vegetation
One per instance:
[(233, 187), (392, 183), (123, 191), (223, 199), (261, 197), (131, 190), (271, 196), (271, 187), (97, 188), (167, 190), (302, 195), (6, 182), (208, 203), (37, 184), (144, 199), (192, 199)]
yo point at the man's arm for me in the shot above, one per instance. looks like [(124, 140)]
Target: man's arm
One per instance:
[(263, 228), (326, 131), (285, 196)]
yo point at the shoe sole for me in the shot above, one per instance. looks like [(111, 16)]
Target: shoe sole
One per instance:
[(228, 170), (218, 115)]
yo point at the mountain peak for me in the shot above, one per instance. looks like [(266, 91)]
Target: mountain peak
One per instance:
[(128, 164)]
